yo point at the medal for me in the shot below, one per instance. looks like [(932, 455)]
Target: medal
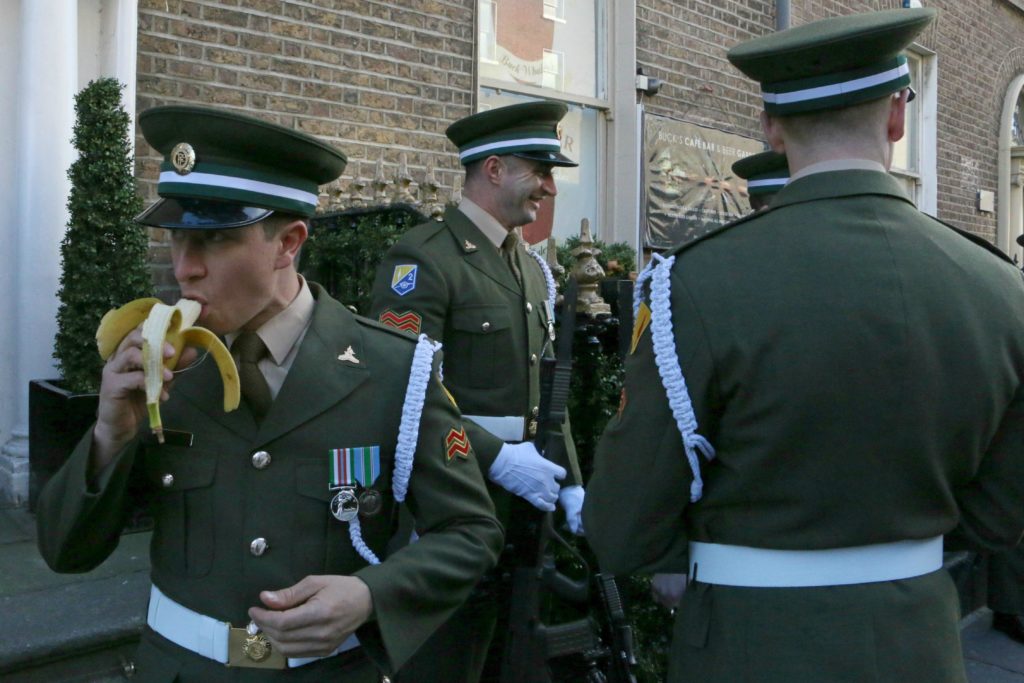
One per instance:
[(353, 469), (370, 502), (344, 505)]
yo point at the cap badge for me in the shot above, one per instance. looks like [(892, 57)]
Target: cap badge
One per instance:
[(183, 157)]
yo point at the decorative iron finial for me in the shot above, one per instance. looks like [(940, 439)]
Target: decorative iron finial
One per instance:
[(430, 187), (356, 187), (405, 186), (588, 273), (457, 190), (380, 184)]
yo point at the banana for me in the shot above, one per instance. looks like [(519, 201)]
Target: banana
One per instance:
[(172, 324), (117, 323)]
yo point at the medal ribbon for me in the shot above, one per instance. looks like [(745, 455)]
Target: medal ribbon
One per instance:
[(350, 465)]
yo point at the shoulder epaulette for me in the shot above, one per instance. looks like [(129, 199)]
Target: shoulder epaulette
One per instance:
[(980, 241), (421, 232)]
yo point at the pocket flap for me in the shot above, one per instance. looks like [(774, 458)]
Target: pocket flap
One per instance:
[(180, 471), (481, 319)]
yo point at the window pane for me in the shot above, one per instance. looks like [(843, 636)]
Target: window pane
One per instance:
[(906, 151), (488, 43), (1018, 121), (577, 187), (524, 36)]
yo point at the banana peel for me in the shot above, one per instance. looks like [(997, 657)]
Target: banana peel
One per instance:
[(174, 325)]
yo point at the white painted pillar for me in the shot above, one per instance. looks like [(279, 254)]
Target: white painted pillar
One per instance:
[(624, 143), (120, 40), (47, 82)]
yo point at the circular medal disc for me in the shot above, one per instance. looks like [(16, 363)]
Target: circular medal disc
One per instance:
[(370, 502), (344, 506)]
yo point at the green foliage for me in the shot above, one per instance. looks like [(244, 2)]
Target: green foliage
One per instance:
[(103, 253), (344, 249)]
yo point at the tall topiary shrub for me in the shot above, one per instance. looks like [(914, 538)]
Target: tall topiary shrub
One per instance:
[(103, 254)]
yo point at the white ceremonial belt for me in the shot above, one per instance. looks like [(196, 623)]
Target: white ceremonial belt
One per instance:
[(508, 428), (215, 639), (735, 565)]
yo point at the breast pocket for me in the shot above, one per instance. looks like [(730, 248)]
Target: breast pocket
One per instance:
[(183, 510), (327, 547), (480, 345)]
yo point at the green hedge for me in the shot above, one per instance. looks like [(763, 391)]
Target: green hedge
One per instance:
[(104, 252)]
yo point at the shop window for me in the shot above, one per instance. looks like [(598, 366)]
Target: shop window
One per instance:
[(553, 49)]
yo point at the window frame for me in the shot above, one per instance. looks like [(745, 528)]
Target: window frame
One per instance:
[(921, 177)]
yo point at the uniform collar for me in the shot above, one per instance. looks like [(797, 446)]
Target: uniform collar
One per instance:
[(494, 231), (839, 165), (282, 332), (838, 183)]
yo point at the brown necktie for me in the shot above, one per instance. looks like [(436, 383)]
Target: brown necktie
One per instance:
[(255, 389), (508, 250)]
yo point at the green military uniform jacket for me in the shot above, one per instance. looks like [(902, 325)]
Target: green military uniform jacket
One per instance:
[(859, 369), (494, 331), (216, 500)]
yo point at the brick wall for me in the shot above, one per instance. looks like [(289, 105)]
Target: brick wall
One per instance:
[(385, 77), (372, 77), (979, 53), (684, 44)]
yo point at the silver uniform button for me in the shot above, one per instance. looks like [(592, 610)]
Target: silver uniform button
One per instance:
[(258, 546), (167, 480), (529, 307), (486, 326), (260, 459), (533, 359)]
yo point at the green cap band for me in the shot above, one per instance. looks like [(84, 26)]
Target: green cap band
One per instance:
[(240, 185), (837, 89)]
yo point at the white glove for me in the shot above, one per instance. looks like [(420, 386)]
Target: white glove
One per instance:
[(520, 469), (571, 500), (667, 589)]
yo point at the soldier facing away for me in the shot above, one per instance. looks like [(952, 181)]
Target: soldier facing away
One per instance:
[(843, 386)]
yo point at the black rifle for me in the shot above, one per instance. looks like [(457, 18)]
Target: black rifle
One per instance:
[(530, 644)]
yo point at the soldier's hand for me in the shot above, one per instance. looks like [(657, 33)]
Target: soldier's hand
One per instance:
[(315, 616), (520, 469), (571, 500), (667, 589), (122, 404)]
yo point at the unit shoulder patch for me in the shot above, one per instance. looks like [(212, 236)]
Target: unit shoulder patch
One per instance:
[(403, 279)]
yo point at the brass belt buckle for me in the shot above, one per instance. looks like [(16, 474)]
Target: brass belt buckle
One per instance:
[(248, 648)]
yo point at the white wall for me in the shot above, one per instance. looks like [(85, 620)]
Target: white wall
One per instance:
[(10, 394), (49, 50)]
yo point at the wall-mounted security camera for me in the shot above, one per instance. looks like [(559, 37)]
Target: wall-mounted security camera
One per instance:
[(648, 85)]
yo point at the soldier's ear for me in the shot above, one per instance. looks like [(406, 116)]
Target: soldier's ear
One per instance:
[(772, 128), (897, 123), (493, 168), (290, 240)]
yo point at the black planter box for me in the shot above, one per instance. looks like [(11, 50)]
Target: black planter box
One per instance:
[(57, 420)]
